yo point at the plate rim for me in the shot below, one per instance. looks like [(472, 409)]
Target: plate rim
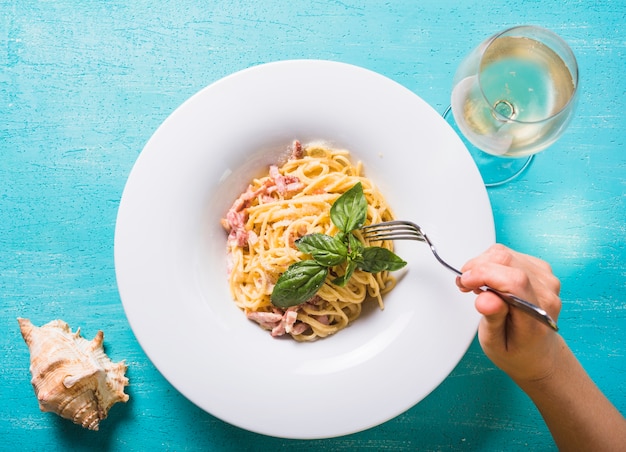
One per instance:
[(147, 345)]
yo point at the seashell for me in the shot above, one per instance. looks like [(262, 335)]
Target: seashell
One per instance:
[(72, 376)]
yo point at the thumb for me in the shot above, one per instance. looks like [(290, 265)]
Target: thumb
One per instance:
[(494, 311)]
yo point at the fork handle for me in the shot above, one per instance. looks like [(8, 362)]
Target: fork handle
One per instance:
[(526, 306)]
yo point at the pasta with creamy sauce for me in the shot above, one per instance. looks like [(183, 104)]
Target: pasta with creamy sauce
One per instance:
[(263, 223)]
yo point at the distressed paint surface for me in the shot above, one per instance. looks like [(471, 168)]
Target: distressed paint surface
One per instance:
[(83, 85)]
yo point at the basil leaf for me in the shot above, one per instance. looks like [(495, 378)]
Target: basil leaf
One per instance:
[(343, 280), (326, 250), (355, 246), (376, 259), (349, 211), (299, 283)]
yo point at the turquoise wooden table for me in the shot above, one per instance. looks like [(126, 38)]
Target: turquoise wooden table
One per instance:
[(83, 85)]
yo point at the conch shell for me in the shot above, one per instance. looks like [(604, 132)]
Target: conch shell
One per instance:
[(72, 376)]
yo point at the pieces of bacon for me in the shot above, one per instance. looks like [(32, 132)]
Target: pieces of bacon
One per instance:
[(278, 322), (237, 216), (297, 151), (283, 184)]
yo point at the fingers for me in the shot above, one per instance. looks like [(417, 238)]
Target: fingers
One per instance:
[(499, 277), (501, 254), (509, 271)]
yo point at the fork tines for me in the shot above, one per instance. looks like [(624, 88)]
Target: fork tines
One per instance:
[(392, 230)]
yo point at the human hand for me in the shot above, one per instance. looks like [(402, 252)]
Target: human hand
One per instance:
[(518, 344)]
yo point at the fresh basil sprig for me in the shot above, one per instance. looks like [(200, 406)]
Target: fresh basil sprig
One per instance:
[(302, 280)]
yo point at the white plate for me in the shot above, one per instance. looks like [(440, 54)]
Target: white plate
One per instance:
[(171, 265)]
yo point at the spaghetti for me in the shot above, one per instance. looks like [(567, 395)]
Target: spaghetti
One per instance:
[(275, 210)]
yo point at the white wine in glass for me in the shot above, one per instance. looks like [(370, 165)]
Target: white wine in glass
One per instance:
[(512, 97)]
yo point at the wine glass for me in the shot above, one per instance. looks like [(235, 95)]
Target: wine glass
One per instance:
[(512, 97)]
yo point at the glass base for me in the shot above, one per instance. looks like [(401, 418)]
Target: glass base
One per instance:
[(494, 170)]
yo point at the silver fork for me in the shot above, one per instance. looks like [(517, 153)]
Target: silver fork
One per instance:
[(405, 230)]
